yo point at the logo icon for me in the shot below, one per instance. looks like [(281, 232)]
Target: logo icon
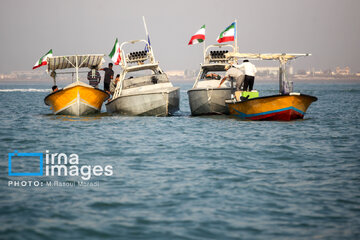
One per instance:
[(23, 155)]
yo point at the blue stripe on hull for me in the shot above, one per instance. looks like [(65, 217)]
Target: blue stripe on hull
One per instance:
[(243, 115)]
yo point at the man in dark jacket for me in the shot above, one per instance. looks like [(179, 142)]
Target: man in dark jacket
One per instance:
[(109, 75)]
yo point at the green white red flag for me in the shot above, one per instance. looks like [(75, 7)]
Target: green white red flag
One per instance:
[(228, 34), (115, 54), (198, 37), (43, 60)]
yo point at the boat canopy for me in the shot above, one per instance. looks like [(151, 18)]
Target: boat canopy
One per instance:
[(75, 61), (283, 56), (267, 56)]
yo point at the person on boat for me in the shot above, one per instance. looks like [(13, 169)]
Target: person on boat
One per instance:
[(233, 72), (109, 75), (113, 84), (250, 71), (94, 77), (55, 88)]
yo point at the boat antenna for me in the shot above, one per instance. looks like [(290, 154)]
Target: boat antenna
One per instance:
[(146, 30), (148, 39)]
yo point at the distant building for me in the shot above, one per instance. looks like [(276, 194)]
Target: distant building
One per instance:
[(175, 73), (301, 72), (328, 72), (190, 73), (318, 72), (267, 71), (342, 71)]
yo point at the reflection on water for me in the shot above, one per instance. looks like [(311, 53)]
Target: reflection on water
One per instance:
[(93, 117)]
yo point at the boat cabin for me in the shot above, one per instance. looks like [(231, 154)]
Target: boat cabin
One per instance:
[(213, 68), (144, 75), (140, 71)]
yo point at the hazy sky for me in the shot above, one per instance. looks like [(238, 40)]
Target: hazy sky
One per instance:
[(329, 29)]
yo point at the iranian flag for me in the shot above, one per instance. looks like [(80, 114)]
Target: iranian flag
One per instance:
[(115, 53), (228, 34), (198, 37), (43, 60)]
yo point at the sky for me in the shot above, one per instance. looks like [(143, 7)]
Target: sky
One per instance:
[(328, 29)]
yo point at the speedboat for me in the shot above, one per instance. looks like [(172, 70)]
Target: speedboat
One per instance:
[(77, 98), (206, 97), (143, 89)]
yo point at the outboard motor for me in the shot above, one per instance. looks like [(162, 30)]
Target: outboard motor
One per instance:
[(287, 87)]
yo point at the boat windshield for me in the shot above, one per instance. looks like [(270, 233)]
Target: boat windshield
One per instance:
[(212, 75), (145, 72)]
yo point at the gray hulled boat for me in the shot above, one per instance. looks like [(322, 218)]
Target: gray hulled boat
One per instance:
[(206, 97), (144, 89)]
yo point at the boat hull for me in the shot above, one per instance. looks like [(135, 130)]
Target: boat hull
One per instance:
[(272, 108), (208, 101), (159, 103), (77, 100)]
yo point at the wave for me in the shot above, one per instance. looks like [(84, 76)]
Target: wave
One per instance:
[(25, 90)]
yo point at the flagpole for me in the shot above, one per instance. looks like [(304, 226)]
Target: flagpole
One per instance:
[(204, 54), (235, 36)]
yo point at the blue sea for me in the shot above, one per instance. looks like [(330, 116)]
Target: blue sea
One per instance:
[(184, 177)]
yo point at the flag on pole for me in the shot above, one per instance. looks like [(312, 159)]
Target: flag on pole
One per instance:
[(115, 53), (198, 37), (43, 60), (228, 34), (148, 45)]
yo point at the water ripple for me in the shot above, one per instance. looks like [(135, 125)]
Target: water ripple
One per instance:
[(186, 177)]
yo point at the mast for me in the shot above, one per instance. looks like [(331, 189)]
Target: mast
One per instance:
[(284, 84), (281, 75)]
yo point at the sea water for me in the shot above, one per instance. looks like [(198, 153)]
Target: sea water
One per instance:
[(184, 177)]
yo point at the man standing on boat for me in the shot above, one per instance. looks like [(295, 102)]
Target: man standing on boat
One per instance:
[(109, 75), (235, 73), (250, 71)]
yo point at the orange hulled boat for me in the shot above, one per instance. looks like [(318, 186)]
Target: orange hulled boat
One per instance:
[(77, 98), (285, 106)]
